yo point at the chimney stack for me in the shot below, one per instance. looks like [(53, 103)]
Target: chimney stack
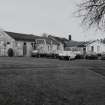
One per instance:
[(69, 37)]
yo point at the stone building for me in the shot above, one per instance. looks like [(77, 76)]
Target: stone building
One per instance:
[(16, 44)]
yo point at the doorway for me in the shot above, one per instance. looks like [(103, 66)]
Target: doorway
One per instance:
[(24, 49), (84, 50), (10, 52)]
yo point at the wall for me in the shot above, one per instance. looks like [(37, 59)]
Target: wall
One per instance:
[(47, 48), (43, 48), (98, 47), (29, 48), (6, 42), (19, 48), (75, 49), (54, 48), (61, 47)]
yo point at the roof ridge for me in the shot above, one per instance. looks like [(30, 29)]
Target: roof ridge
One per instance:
[(21, 36)]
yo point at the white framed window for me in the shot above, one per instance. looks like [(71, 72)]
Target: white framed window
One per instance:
[(98, 48), (92, 48), (18, 44), (40, 41), (1, 42), (48, 47)]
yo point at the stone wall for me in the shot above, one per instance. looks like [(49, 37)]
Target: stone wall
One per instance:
[(7, 42)]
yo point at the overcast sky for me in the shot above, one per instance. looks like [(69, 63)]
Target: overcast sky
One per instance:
[(44, 16)]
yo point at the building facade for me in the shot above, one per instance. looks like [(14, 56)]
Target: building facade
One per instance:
[(59, 41), (75, 46), (16, 44), (46, 45), (95, 47)]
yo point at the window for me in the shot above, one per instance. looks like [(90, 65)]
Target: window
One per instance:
[(40, 41), (24, 43), (8, 42), (92, 48), (48, 48), (98, 48), (18, 44), (33, 44), (74, 49)]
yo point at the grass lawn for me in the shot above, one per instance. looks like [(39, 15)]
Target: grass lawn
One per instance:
[(36, 81)]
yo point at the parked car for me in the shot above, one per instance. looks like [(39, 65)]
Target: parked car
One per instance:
[(66, 55)]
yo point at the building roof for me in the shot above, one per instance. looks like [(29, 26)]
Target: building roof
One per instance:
[(21, 37), (58, 39), (53, 41), (49, 40), (90, 42), (75, 44)]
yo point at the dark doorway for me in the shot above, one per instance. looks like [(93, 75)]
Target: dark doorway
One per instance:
[(84, 50), (24, 49), (10, 52)]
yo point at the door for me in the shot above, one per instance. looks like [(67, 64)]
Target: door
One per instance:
[(24, 49), (10, 52), (84, 51)]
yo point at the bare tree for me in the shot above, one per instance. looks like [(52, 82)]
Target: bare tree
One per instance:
[(93, 13)]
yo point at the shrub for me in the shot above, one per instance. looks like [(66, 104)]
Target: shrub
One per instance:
[(78, 56), (92, 56)]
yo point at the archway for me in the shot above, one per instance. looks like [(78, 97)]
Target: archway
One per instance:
[(10, 52)]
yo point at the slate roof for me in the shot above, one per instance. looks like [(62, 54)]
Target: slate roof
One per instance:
[(21, 37), (75, 44), (53, 41), (49, 40), (58, 39), (90, 42)]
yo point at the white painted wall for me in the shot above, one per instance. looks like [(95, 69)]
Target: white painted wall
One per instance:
[(61, 47), (19, 48), (98, 47), (47, 48)]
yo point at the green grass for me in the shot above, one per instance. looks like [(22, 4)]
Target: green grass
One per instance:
[(33, 81)]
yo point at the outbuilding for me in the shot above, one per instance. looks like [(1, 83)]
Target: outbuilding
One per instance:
[(95, 47), (16, 44)]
